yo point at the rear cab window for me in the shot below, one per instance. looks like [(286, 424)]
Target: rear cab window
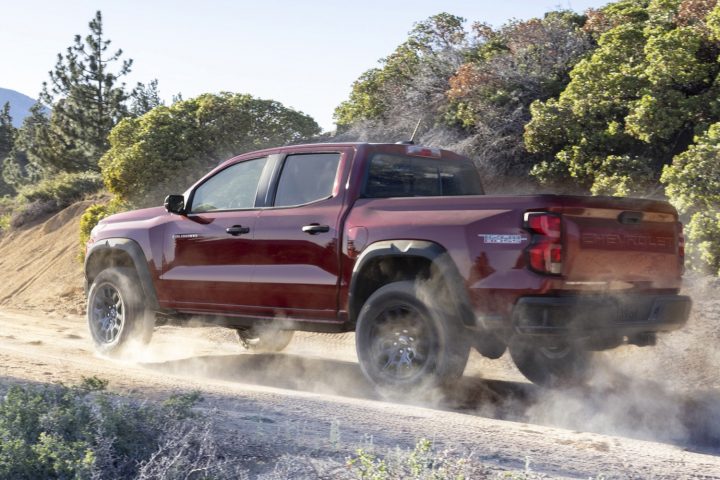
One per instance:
[(395, 175)]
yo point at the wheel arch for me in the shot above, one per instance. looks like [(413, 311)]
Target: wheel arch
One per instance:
[(120, 252), (397, 260)]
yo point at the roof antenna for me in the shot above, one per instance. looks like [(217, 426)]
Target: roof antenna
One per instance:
[(412, 138)]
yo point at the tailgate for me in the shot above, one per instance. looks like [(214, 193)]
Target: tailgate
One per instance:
[(624, 244)]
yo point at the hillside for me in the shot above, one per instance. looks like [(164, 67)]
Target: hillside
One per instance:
[(19, 104), (40, 265)]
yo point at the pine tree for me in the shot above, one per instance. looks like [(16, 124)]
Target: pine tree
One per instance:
[(24, 163), (7, 141), (87, 100), (7, 131), (144, 98)]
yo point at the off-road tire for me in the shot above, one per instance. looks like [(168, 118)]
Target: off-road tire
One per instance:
[(564, 365), (405, 339), (264, 340), (116, 311)]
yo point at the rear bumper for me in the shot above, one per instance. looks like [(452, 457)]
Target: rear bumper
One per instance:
[(585, 315)]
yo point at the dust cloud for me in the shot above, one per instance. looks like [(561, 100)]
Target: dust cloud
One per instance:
[(668, 393)]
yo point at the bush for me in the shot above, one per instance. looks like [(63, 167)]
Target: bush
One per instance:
[(92, 216), (165, 150), (693, 185), (61, 189), (421, 463), (28, 212), (6, 208), (51, 195), (703, 248), (82, 432)]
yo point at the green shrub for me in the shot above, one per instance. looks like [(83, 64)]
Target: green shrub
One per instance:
[(61, 189), (92, 216), (51, 195), (6, 204), (165, 150), (703, 248), (693, 185), (5, 221), (423, 462), (59, 432)]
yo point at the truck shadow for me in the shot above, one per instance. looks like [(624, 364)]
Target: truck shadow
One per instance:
[(623, 406)]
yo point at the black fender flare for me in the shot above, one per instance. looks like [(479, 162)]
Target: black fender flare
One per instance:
[(133, 249), (438, 257)]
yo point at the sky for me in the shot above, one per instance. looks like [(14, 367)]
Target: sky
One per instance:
[(305, 54)]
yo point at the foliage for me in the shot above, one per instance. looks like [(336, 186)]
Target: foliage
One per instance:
[(470, 90), (413, 79), (508, 69), (7, 204), (366, 100), (693, 185), (52, 194), (82, 432), (635, 103), (423, 462), (642, 109), (88, 100), (165, 150), (92, 216), (7, 141), (62, 189), (23, 164), (7, 131), (144, 98)]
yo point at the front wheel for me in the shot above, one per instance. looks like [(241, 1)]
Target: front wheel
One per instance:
[(404, 340), (116, 311), (559, 364)]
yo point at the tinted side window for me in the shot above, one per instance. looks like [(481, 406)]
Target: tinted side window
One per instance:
[(231, 189), (402, 176), (306, 178)]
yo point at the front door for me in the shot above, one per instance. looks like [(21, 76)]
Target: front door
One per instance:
[(210, 252)]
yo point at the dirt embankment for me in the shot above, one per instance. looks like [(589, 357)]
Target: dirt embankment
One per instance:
[(647, 413), (40, 267)]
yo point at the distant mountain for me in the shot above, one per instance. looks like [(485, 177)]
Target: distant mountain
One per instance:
[(19, 104)]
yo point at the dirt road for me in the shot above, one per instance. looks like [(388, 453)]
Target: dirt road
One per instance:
[(313, 398)]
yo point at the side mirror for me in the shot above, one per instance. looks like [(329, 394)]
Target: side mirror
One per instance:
[(175, 204)]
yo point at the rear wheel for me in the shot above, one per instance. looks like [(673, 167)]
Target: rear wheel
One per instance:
[(404, 340), (264, 338), (551, 364), (116, 312)]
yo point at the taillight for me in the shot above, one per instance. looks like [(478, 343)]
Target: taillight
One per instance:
[(545, 253), (681, 247)]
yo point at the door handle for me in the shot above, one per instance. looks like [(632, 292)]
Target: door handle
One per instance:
[(314, 228), (236, 230)]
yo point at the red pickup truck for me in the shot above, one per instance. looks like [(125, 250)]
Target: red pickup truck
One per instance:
[(398, 243)]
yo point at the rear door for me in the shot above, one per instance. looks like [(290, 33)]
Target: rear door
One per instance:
[(298, 237)]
